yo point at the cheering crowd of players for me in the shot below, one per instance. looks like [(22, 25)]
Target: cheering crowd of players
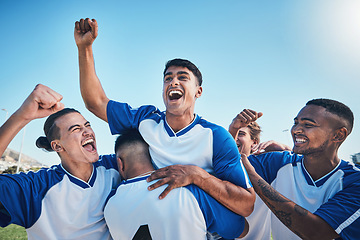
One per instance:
[(174, 175)]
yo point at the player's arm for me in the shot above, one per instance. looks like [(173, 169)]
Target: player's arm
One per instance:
[(235, 198), (270, 146), (94, 96), (299, 220), (242, 120), (42, 102)]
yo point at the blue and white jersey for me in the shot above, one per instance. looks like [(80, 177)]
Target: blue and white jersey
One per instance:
[(186, 213), (201, 143), (53, 204), (259, 222), (335, 197)]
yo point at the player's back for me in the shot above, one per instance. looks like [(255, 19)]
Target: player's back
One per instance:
[(134, 212)]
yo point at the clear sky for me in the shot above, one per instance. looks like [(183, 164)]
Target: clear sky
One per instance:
[(271, 56)]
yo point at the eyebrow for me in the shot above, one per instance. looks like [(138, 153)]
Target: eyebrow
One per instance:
[(77, 125), (306, 119), (178, 73), (72, 126), (183, 72)]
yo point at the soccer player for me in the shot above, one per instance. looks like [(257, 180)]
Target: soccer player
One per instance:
[(312, 193), (246, 132), (64, 201), (133, 212), (176, 136)]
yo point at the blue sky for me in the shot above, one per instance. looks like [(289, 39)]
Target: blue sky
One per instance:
[(271, 56)]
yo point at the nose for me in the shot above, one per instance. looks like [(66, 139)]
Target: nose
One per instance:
[(174, 82), (296, 128), (86, 132)]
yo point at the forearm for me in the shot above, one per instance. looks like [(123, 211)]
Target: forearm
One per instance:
[(299, 220), (233, 131), (9, 130), (92, 92), (235, 198)]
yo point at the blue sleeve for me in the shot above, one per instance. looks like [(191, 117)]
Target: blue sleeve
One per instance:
[(342, 212), (268, 164), (227, 162), (121, 116), (218, 218), (22, 194), (108, 161)]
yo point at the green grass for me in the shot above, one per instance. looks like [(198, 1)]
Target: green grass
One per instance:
[(13, 232)]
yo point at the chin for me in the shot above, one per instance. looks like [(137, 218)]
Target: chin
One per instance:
[(94, 158)]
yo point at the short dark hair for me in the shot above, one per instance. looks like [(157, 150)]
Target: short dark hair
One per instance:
[(51, 130), (178, 62), (130, 136), (336, 108)]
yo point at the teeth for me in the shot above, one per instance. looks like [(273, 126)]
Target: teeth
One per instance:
[(88, 141), (175, 92), (302, 140)]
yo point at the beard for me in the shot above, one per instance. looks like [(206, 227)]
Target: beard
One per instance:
[(311, 150)]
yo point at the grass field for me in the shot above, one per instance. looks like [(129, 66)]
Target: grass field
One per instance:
[(13, 232)]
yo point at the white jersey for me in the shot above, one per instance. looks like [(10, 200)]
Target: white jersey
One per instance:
[(133, 212), (259, 222), (339, 189), (53, 204), (201, 143)]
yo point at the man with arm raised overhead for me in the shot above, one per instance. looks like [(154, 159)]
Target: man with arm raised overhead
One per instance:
[(176, 136)]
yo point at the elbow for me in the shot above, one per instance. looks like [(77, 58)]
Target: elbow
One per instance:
[(97, 107), (250, 203), (245, 203)]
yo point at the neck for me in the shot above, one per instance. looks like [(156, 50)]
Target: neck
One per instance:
[(82, 171), (318, 165), (178, 122), (137, 172)]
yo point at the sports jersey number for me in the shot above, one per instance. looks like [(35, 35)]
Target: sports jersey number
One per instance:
[(142, 233)]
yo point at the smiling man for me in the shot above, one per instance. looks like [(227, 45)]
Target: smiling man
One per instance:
[(312, 193), (175, 136)]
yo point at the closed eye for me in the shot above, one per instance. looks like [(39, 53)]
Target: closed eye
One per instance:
[(183, 77), (75, 129), (167, 79)]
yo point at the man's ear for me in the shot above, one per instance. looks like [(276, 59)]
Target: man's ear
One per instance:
[(340, 134), (121, 167), (254, 143), (56, 146), (199, 92)]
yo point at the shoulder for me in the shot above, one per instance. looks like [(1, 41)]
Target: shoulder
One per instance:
[(51, 174), (108, 161), (214, 127), (119, 106), (351, 173), (267, 165)]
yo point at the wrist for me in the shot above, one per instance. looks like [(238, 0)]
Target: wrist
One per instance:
[(84, 48), (200, 177), (18, 119)]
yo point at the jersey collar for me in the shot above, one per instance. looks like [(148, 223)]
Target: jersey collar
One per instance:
[(182, 131), (80, 182), (321, 180)]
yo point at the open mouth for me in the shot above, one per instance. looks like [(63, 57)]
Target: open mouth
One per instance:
[(300, 140), (89, 145), (175, 94)]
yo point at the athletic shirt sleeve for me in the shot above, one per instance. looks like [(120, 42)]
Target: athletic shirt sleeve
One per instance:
[(108, 161), (267, 165), (21, 194), (227, 162), (218, 218), (342, 212), (122, 116)]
